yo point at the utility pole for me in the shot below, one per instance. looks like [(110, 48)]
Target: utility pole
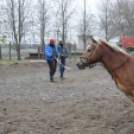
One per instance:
[(84, 23)]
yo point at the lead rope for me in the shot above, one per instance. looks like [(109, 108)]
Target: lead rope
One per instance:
[(62, 64)]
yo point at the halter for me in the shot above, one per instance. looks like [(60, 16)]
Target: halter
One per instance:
[(111, 70), (87, 63), (89, 57)]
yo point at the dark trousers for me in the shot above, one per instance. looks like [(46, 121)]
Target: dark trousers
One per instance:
[(52, 67), (62, 67)]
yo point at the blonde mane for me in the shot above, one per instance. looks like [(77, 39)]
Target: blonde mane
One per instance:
[(113, 47)]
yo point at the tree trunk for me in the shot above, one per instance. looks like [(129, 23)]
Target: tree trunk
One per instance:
[(18, 52), (10, 51), (84, 21), (19, 58)]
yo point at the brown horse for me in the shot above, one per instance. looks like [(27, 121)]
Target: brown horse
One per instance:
[(116, 61)]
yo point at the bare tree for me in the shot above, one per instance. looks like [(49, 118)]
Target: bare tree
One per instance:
[(85, 24), (64, 15), (106, 19), (16, 12), (124, 16), (43, 19)]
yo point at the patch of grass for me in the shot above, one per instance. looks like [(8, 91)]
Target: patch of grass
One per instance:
[(13, 61)]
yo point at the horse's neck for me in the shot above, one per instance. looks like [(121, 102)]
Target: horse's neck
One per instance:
[(111, 59)]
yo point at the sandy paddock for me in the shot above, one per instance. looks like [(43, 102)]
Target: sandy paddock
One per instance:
[(86, 102)]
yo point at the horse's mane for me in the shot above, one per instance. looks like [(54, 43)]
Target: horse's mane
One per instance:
[(113, 47)]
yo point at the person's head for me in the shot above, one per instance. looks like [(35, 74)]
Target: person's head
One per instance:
[(52, 41), (61, 43)]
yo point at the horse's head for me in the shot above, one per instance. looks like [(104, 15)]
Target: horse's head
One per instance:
[(89, 57)]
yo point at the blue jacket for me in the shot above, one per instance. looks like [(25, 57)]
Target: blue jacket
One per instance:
[(63, 51), (48, 52)]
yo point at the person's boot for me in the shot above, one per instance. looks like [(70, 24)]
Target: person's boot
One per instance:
[(52, 80)]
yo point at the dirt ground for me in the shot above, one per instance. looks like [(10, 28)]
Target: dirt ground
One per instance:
[(86, 102)]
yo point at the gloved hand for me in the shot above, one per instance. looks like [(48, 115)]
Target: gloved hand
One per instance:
[(62, 57)]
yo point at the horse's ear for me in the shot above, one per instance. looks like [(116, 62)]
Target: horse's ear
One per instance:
[(103, 41), (93, 40)]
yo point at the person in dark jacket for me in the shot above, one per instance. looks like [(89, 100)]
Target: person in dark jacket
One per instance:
[(51, 52), (63, 55)]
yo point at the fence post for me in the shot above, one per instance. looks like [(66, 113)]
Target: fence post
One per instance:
[(38, 52), (70, 51), (9, 51), (0, 53), (75, 53)]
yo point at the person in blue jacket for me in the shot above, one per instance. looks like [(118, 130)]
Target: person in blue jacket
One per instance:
[(63, 55), (51, 52)]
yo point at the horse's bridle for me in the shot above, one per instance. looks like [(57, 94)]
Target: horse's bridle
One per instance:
[(111, 70), (87, 63)]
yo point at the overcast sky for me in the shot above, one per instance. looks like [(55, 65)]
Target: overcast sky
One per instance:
[(90, 4)]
